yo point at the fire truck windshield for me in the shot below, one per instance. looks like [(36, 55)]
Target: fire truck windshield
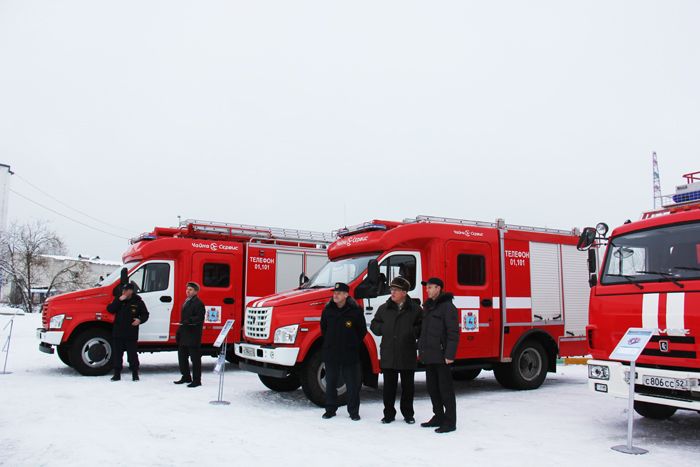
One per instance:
[(344, 270), (664, 254)]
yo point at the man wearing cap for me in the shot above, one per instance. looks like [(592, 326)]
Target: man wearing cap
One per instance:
[(398, 322), (129, 313), (189, 337), (343, 327), (437, 347)]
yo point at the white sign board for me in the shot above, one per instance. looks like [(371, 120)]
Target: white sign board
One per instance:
[(223, 333), (631, 345)]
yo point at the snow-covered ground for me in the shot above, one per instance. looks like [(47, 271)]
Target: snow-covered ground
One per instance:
[(49, 415)]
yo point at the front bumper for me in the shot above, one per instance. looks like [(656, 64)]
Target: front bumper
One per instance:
[(617, 386), (282, 356), (49, 337)]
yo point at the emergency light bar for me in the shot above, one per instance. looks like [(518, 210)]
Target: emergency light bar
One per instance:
[(360, 228)]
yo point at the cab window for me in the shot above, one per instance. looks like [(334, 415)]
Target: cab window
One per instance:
[(152, 277), (394, 266)]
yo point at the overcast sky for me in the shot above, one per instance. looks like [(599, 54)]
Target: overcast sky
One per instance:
[(318, 114)]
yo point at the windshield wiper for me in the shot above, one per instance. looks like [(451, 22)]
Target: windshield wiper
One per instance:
[(629, 279), (667, 275), (686, 268)]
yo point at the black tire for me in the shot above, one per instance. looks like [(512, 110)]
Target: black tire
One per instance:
[(504, 375), (63, 352), (90, 352), (465, 375), (654, 411), (313, 380), (527, 370), (288, 384), (232, 358)]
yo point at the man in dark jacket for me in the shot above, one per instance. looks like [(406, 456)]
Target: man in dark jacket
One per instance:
[(437, 347), (189, 337), (398, 321), (343, 327), (129, 313)]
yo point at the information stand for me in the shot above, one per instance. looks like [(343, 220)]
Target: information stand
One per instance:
[(629, 349), (6, 344), (220, 366)]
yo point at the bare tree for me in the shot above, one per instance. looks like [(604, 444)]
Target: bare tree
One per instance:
[(23, 261)]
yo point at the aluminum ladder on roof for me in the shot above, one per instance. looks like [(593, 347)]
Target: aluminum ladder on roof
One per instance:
[(499, 224), (257, 231)]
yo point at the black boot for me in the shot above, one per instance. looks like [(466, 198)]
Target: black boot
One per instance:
[(135, 375), (183, 380), (117, 376)]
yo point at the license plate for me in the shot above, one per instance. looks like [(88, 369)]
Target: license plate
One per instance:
[(248, 351), (666, 383)]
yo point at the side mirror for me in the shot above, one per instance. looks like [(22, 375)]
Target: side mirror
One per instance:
[(587, 239), (123, 280), (303, 279), (593, 280), (368, 286), (592, 261)]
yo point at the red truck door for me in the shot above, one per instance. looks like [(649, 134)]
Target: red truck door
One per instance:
[(220, 276), (470, 275)]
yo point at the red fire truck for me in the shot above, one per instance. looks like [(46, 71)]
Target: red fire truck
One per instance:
[(521, 293), (649, 278), (233, 263)]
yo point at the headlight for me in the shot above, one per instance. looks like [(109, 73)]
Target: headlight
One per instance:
[(286, 334), (56, 322), (598, 372)]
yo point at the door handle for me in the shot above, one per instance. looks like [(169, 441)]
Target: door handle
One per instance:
[(487, 302), (229, 301), (166, 299)]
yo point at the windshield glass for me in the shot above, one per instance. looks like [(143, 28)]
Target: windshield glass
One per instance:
[(664, 254), (344, 270), (114, 275)]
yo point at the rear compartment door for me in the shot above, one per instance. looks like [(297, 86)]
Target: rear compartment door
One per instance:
[(221, 281), (470, 275)]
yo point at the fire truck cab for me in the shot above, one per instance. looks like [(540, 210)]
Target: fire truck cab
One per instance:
[(521, 293), (650, 278), (233, 263)]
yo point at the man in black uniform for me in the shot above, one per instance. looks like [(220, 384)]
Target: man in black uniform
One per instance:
[(129, 313), (189, 337), (437, 347), (343, 327), (398, 321)]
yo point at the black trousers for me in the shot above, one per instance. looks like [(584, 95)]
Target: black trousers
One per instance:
[(442, 394), (391, 382), (352, 376), (118, 347), (184, 354)]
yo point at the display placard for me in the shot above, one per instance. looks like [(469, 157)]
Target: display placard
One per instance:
[(224, 331), (632, 344)]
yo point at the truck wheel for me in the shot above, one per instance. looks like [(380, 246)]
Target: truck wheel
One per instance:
[(91, 352), (231, 356), (313, 381), (655, 411), (465, 375), (527, 370), (288, 384), (63, 353)]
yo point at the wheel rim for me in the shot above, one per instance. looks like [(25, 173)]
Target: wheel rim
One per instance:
[(96, 352), (321, 380), (530, 364)]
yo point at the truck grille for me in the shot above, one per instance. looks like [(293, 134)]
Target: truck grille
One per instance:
[(44, 316), (257, 322)]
